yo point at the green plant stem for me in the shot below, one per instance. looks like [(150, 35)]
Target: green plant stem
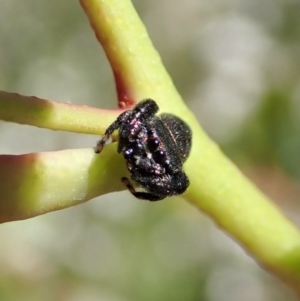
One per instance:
[(137, 66), (37, 183), (52, 115), (217, 186)]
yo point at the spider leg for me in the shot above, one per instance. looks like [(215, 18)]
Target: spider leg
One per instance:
[(114, 126), (141, 195), (147, 107)]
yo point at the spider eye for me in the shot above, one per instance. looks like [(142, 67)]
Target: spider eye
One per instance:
[(135, 149), (153, 144), (159, 157), (128, 153)]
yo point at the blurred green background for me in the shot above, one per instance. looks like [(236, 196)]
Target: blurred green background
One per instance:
[(237, 65)]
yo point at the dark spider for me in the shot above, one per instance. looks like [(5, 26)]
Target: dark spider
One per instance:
[(154, 148)]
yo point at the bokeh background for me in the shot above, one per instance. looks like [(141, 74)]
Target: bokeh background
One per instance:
[(237, 65)]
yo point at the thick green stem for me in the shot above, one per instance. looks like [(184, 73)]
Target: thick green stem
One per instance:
[(37, 183), (137, 66), (217, 186)]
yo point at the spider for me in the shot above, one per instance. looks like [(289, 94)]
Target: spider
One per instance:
[(155, 148)]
